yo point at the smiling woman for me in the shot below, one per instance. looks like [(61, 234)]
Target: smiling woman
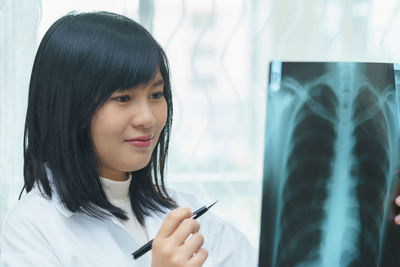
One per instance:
[(125, 129), (66, 115), (96, 141)]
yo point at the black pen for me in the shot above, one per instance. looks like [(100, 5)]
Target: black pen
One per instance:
[(146, 247)]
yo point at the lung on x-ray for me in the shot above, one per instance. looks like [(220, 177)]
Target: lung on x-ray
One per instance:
[(331, 165)]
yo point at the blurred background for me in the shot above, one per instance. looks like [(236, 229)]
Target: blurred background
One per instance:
[(219, 51)]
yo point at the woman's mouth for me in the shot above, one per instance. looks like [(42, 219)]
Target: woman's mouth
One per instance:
[(142, 141)]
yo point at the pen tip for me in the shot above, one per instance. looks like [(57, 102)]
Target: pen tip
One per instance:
[(209, 206)]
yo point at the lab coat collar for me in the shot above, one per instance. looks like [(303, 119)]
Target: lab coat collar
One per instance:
[(61, 208), (55, 197), (54, 200), (152, 223)]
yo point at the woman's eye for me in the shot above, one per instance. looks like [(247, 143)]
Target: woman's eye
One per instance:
[(157, 95), (123, 98)]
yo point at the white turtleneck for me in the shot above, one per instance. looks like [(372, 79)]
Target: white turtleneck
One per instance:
[(118, 194)]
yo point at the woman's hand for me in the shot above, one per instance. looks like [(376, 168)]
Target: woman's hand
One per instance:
[(169, 248)]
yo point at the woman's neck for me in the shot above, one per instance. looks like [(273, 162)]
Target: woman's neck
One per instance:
[(114, 175)]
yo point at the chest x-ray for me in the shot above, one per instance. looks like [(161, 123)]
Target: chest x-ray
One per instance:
[(330, 167)]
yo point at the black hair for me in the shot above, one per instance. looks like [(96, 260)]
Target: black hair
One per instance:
[(82, 59)]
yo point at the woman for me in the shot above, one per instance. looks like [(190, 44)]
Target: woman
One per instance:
[(96, 140)]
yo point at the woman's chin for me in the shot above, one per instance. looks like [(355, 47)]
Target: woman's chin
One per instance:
[(138, 167)]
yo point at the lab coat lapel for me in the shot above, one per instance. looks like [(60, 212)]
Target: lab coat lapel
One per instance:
[(153, 224), (127, 243)]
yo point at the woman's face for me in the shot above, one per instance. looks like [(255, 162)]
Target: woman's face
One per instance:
[(126, 128)]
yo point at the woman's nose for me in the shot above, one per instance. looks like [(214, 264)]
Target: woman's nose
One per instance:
[(143, 115)]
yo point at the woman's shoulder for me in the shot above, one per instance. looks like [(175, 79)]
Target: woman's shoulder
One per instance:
[(31, 208), (183, 199)]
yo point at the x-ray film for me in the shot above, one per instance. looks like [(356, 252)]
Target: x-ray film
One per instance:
[(330, 166)]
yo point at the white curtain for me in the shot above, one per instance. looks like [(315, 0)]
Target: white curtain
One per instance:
[(19, 20), (219, 52)]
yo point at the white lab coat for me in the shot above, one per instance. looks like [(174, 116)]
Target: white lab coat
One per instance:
[(41, 232)]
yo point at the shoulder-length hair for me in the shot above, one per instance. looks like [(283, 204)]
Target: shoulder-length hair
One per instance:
[(82, 59)]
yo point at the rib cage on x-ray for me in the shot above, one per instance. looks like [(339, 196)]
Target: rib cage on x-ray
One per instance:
[(337, 170)]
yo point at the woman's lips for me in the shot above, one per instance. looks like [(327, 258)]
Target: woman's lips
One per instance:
[(140, 143)]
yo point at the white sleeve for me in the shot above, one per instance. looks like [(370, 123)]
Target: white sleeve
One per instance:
[(226, 245), (22, 243)]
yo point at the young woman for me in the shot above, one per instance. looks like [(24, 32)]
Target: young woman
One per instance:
[(96, 140)]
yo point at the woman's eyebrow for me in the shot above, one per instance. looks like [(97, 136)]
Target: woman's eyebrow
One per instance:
[(157, 82)]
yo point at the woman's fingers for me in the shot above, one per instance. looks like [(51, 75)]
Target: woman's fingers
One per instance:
[(178, 242), (172, 221), (187, 227), (193, 245), (397, 218), (199, 258), (397, 201)]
